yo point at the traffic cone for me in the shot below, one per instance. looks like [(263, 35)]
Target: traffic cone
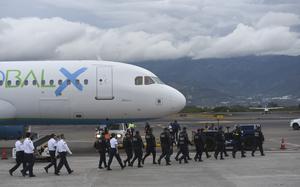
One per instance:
[(4, 154), (282, 145)]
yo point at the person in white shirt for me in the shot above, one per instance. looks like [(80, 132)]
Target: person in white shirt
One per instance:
[(62, 149), (113, 151), (19, 156), (52, 143), (28, 156)]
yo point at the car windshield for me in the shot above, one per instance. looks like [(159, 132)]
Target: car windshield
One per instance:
[(114, 127)]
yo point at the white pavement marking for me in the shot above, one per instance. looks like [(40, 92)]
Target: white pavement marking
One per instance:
[(263, 176)]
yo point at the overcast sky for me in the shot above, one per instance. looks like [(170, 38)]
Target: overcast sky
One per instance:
[(137, 30)]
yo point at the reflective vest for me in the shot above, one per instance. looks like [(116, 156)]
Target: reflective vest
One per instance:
[(131, 126)]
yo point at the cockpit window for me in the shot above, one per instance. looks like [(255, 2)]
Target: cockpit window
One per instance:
[(157, 80), (139, 80), (149, 80)]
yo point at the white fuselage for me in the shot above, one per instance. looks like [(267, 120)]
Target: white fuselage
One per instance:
[(72, 92)]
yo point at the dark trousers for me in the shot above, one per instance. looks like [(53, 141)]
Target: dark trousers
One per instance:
[(178, 153), (238, 145), (206, 151), (129, 156), (259, 145), (199, 152), (19, 161), (29, 162), (185, 153), (113, 153), (219, 149), (224, 150), (138, 154), (188, 153), (176, 136), (102, 159), (165, 153), (53, 160), (63, 162), (150, 150)]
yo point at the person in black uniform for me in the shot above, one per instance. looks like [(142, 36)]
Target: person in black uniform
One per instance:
[(220, 143), (100, 145), (165, 141), (172, 134), (172, 138), (199, 144), (147, 127), (176, 128), (205, 139), (227, 136), (179, 150), (127, 144), (237, 142), (183, 143), (138, 145), (189, 143), (151, 146), (258, 141)]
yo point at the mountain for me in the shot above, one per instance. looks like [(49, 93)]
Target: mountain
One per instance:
[(243, 80)]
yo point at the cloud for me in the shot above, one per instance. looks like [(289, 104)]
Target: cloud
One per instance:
[(246, 40), (278, 19), (138, 30), (56, 38)]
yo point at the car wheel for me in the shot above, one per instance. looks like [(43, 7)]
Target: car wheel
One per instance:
[(295, 126)]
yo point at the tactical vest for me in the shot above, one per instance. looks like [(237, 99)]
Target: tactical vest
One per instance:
[(181, 140), (150, 140), (256, 134)]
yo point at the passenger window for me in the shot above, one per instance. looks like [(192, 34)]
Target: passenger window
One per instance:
[(149, 80), (86, 81), (51, 82), (139, 80), (34, 82), (17, 82), (26, 82), (1, 83), (43, 82), (59, 82), (77, 81), (68, 82), (9, 82)]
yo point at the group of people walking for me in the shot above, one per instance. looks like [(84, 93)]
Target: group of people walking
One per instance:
[(57, 147), (133, 145)]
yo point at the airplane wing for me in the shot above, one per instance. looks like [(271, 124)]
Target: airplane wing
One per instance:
[(7, 110), (275, 108), (256, 108)]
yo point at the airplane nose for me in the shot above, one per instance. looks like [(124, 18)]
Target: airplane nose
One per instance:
[(179, 101)]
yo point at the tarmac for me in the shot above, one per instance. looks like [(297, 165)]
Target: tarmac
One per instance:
[(274, 169), (277, 168)]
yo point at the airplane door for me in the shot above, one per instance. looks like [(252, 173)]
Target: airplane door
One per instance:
[(104, 83)]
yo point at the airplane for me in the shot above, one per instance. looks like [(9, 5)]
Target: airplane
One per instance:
[(266, 109), (82, 92)]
